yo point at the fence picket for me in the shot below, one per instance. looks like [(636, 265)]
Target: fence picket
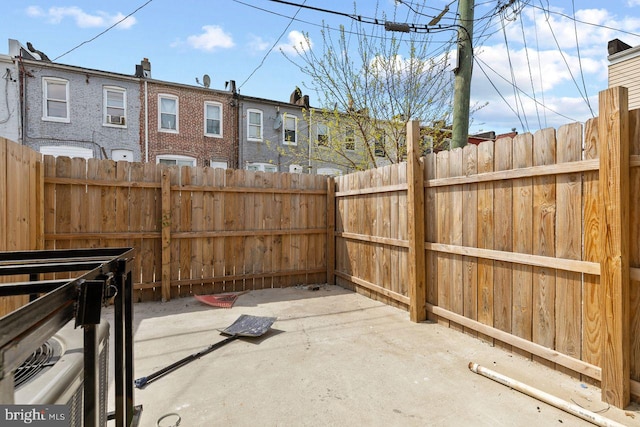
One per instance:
[(569, 243), (485, 237), (470, 236), (522, 281), (544, 218), (592, 291)]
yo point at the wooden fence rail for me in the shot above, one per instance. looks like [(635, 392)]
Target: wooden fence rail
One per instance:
[(195, 230), (531, 243)]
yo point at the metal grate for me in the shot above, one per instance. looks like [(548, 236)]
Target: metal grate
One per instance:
[(44, 357)]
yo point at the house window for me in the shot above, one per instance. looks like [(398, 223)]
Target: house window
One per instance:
[(175, 160), (66, 151), (218, 164), (55, 99), (350, 139), (427, 144), (213, 119), (379, 145), (262, 167), (168, 117), (323, 135), (254, 125), (290, 130), (115, 101), (329, 172)]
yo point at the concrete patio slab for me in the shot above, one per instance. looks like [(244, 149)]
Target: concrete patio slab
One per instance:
[(336, 358)]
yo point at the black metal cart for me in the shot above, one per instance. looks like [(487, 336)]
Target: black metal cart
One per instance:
[(102, 274)]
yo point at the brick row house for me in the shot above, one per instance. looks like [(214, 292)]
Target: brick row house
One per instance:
[(73, 111), (187, 125)]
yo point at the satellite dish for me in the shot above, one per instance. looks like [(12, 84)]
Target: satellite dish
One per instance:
[(206, 80), (278, 121)]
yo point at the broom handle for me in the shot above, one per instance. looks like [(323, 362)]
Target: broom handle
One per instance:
[(141, 382)]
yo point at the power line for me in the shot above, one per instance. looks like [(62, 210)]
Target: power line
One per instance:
[(548, 11), (272, 47), (583, 95), (498, 91), (526, 51), (535, 27), (111, 27), (520, 90), (575, 30), (513, 80)]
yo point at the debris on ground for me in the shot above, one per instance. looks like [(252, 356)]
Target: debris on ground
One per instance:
[(225, 300)]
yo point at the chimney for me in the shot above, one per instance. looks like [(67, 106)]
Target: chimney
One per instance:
[(616, 45), (144, 69), (232, 86)]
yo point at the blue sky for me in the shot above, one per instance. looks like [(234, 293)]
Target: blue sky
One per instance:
[(554, 50)]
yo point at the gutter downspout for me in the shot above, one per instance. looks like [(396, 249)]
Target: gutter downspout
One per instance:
[(309, 141), (146, 124)]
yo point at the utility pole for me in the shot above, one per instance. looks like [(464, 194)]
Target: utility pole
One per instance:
[(462, 86)]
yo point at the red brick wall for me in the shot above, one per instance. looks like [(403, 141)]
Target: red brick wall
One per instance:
[(190, 139)]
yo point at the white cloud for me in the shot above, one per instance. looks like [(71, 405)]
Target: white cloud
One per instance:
[(257, 44), (212, 38), (56, 15), (547, 62), (633, 3), (296, 43), (35, 11)]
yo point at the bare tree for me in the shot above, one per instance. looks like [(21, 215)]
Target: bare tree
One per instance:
[(369, 83)]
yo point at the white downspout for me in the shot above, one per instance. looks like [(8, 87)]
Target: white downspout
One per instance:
[(146, 124)]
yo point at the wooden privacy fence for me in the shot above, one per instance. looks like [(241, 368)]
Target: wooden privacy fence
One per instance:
[(20, 208), (532, 242), (195, 230)]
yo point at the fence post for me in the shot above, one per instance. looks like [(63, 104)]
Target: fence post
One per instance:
[(166, 235), (331, 228), (613, 130), (415, 221)]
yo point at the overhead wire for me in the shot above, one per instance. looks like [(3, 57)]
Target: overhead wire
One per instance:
[(566, 63), (103, 32), (535, 27), (264, 58), (533, 89), (498, 90), (584, 85), (523, 92), (548, 12), (516, 95)]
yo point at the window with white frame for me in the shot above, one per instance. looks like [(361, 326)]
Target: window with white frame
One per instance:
[(262, 167), (55, 99), (254, 125), (67, 151), (290, 130), (168, 117), (323, 135), (350, 139), (218, 164), (213, 119), (175, 160), (115, 104)]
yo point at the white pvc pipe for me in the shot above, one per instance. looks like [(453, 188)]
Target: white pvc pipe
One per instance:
[(550, 399)]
